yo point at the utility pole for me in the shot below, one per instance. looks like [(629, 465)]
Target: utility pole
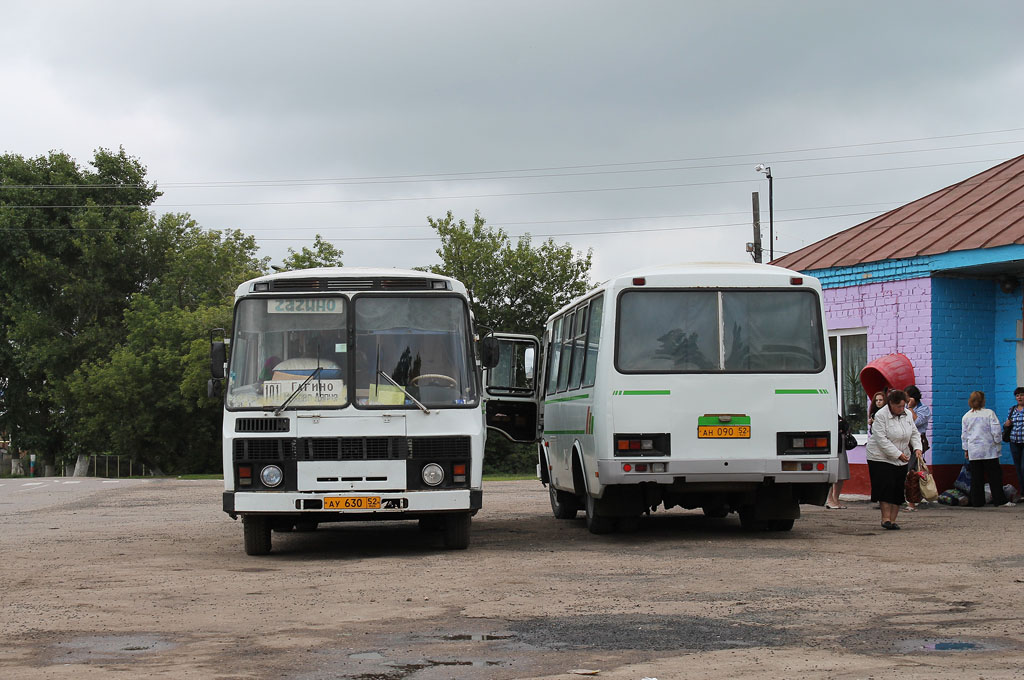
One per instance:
[(754, 248)]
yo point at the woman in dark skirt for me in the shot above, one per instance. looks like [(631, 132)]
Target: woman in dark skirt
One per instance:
[(894, 438)]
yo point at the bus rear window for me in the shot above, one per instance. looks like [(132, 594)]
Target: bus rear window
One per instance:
[(726, 331)]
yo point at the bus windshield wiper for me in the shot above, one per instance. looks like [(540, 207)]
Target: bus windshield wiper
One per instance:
[(414, 399), (298, 389)]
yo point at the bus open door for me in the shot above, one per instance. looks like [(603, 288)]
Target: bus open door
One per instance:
[(512, 364)]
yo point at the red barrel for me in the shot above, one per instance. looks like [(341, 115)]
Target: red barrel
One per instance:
[(893, 371)]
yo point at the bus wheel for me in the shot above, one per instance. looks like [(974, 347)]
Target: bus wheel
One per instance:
[(563, 504), (780, 524), (256, 529), (431, 523), (456, 530), (598, 524)]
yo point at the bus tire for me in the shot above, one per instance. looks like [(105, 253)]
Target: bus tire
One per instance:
[(596, 523), (430, 523), (456, 530), (256, 530), (780, 524), (564, 505)]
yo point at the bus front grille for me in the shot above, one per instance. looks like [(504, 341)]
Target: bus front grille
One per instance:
[(438, 447), (264, 449)]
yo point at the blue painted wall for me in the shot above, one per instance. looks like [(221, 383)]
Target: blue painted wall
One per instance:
[(968, 316)]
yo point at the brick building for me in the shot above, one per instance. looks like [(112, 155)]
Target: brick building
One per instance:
[(939, 281)]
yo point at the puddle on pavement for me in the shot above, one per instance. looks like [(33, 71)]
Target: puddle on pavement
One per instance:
[(89, 648), (477, 637), (947, 645)]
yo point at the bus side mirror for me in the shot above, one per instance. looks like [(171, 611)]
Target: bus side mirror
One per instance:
[(489, 352), (218, 356)]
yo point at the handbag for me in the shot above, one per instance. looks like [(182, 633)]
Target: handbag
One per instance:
[(1007, 429), (926, 483)]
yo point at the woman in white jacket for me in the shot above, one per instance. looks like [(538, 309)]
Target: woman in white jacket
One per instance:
[(981, 435), (894, 437)]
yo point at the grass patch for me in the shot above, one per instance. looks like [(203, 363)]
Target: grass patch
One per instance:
[(509, 478), (209, 476)]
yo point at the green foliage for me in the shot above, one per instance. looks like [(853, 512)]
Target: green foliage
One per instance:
[(515, 288), (322, 254), (104, 311), (515, 285)]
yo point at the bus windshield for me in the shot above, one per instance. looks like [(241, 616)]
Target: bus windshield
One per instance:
[(725, 331), (421, 343), (279, 343)]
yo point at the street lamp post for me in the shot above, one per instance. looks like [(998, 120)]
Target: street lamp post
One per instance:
[(771, 210)]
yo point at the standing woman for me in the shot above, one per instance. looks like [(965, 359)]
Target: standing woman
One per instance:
[(894, 437), (982, 438), (1015, 421)]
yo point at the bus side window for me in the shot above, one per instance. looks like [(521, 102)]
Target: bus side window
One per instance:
[(578, 348), (563, 368), (556, 354), (593, 342)]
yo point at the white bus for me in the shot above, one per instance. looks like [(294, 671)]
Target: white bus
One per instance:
[(352, 394), (702, 386)]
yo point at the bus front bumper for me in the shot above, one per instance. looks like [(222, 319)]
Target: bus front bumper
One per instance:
[(390, 502)]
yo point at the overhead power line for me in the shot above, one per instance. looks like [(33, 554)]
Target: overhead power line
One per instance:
[(503, 174), (402, 199)]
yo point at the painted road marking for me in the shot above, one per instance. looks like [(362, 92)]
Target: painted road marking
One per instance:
[(111, 481), (33, 483), (78, 482)]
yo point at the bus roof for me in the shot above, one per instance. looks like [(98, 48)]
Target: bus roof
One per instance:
[(351, 274), (700, 275)]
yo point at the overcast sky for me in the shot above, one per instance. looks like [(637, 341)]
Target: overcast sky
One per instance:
[(631, 128)]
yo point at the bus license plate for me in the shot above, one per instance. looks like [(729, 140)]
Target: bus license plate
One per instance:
[(352, 503), (723, 432)]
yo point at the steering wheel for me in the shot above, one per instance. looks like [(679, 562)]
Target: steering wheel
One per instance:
[(436, 377)]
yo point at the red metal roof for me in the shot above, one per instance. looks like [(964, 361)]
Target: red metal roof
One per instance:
[(983, 211)]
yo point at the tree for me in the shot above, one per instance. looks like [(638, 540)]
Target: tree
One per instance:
[(323, 254), (74, 252), (146, 398), (515, 287)]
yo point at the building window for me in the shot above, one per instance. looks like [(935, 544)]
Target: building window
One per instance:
[(849, 355)]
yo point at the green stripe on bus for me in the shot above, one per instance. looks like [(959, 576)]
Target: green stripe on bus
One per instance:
[(715, 420), (801, 391), (564, 432), (640, 393), (578, 396)]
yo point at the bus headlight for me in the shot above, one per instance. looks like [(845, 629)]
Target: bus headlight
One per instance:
[(271, 476), (432, 474)]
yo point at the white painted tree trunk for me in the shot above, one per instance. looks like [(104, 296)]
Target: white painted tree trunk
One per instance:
[(82, 466)]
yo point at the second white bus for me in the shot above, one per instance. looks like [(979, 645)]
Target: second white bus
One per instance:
[(702, 386)]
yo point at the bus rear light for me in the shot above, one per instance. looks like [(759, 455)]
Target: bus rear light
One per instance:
[(626, 467), (803, 443), (639, 281), (821, 466), (802, 466), (641, 445), (796, 280), (644, 467)]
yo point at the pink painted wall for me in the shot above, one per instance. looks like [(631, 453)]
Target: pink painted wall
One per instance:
[(897, 316)]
